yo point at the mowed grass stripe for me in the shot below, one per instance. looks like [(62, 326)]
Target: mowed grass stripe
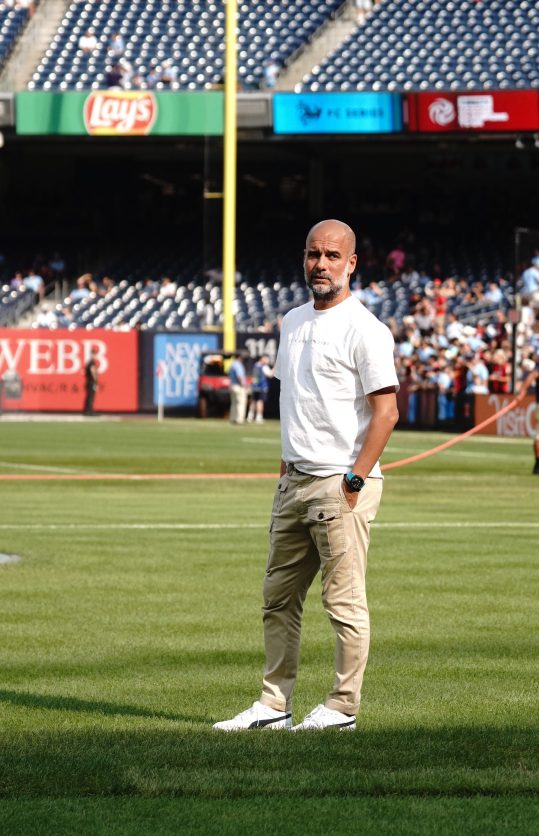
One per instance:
[(133, 622)]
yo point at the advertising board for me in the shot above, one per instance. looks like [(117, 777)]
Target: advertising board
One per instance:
[(494, 110), (44, 370), (519, 423), (119, 113), (176, 359), (337, 113)]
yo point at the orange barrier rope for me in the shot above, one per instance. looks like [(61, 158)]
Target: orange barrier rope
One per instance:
[(458, 438)]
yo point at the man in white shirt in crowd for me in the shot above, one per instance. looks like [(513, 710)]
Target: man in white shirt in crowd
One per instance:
[(338, 409), (88, 42)]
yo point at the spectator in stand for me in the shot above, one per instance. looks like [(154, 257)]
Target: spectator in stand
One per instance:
[(363, 9), (444, 383), (35, 283), (168, 287), (114, 76), (494, 293), (271, 73), (409, 274), (127, 73), (499, 372), (107, 285), (373, 295), (530, 281), (477, 376), (46, 318), (424, 316), (17, 281), (88, 42), (57, 266), (169, 73), (116, 45), (395, 261), (82, 288), (151, 286), (138, 81)]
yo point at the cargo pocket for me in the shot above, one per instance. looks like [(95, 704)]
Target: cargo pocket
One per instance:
[(278, 497), (327, 529)]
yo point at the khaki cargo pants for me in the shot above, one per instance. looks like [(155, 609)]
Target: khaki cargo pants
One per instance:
[(312, 528)]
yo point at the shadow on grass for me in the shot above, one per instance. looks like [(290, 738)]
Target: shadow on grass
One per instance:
[(53, 703), (199, 763)]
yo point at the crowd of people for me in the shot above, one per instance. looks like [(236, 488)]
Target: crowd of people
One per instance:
[(437, 349), (455, 357)]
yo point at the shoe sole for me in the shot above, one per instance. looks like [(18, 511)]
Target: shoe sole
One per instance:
[(346, 728), (278, 726)]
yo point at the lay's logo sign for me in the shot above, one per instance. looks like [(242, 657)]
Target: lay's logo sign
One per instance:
[(120, 113)]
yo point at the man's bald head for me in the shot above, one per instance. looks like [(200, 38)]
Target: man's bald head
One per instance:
[(328, 262), (333, 229)]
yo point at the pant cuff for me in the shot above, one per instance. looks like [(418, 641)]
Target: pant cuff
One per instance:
[(271, 702), (343, 707)]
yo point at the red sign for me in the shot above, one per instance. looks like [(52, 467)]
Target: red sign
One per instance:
[(486, 111), (519, 423), (44, 370), (120, 113)]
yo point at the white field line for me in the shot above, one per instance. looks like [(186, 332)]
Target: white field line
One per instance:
[(260, 440), (39, 467), (471, 524)]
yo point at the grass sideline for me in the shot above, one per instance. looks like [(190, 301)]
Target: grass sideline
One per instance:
[(133, 621)]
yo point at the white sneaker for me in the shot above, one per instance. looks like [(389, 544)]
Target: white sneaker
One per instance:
[(258, 716), (259, 420), (326, 718)]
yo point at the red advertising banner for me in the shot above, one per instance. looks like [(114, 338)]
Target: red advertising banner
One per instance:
[(519, 423), (44, 370), (494, 110)]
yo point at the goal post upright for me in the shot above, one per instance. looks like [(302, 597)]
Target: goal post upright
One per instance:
[(230, 169)]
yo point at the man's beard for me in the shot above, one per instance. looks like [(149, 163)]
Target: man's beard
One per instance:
[(327, 293)]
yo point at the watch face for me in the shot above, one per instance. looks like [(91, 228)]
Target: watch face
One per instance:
[(355, 482)]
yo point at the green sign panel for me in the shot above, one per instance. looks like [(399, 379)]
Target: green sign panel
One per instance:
[(120, 113)]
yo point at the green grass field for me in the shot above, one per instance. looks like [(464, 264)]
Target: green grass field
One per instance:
[(132, 622)]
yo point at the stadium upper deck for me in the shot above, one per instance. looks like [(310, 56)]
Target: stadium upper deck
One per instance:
[(437, 45), (185, 38), (430, 44)]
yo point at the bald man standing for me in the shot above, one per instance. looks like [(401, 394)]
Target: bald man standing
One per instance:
[(338, 409)]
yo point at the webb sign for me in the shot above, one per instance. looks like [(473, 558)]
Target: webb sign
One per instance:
[(44, 370), (119, 113), (497, 110)]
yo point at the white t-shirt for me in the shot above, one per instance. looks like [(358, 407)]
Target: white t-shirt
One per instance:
[(328, 362)]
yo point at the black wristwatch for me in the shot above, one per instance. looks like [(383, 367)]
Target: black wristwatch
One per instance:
[(354, 482)]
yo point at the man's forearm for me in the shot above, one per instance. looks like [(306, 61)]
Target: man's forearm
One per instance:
[(385, 416)]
